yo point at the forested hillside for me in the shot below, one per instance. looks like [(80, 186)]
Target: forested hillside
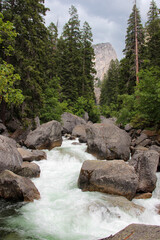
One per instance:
[(46, 73), (130, 97)]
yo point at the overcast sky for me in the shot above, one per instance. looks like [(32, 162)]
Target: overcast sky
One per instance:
[(107, 18)]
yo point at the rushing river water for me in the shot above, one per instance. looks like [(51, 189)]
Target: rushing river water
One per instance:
[(64, 212)]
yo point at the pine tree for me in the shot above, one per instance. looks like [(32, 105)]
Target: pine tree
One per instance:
[(88, 70), (153, 35), (70, 55), (129, 51), (30, 59), (110, 85)]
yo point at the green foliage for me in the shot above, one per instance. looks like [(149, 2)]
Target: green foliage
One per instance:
[(126, 111), (7, 80), (147, 103), (83, 105)]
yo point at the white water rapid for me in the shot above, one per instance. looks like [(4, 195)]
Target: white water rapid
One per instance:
[(64, 212)]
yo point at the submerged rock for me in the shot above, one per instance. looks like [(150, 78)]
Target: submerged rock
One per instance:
[(113, 177), (17, 188), (137, 232), (107, 141), (46, 136), (10, 158)]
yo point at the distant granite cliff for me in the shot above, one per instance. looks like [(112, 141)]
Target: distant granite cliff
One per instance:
[(104, 53)]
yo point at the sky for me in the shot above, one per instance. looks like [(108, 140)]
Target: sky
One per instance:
[(107, 18)]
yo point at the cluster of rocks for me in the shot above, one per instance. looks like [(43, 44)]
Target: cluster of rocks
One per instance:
[(16, 166), (130, 157)]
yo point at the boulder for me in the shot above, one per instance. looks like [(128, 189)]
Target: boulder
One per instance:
[(3, 130), (20, 135), (31, 170), (140, 139), (46, 136), (80, 131), (32, 155), (145, 164), (17, 188), (112, 177), (10, 158), (69, 121), (86, 117), (137, 232), (107, 141)]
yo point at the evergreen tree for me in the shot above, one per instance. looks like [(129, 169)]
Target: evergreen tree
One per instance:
[(129, 51), (110, 85), (153, 35), (31, 57), (88, 70), (70, 57)]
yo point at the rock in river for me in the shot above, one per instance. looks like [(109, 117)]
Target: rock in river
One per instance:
[(17, 188), (10, 158), (107, 141), (113, 177), (46, 136)]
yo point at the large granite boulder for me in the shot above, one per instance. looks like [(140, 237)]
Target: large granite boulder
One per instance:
[(113, 177), (137, 232), (47, 136), (69, 121), (17, 188), (32, 155), (145, 164), (31, 170), (107, 141), (10, 158), (80, 131)]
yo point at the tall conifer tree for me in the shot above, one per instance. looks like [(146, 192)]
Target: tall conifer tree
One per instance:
[(129, 51)]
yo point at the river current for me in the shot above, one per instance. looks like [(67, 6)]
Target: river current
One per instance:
[(64, 212)]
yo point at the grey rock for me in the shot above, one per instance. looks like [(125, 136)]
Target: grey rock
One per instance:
[(3, 130), (145, 164), (104, 53), (86, 116), (17, 188), (37, 121), (128, 127), (137, 232), (32, 155), (31, 170), (141, 138), (107, 141), (69, 121), (80, 131), (113, 177), (47, 136), (10, 158)]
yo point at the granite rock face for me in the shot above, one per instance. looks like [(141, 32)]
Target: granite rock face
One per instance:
[(104, 53)]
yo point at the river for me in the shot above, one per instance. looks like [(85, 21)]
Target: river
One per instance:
[(64, 212)]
